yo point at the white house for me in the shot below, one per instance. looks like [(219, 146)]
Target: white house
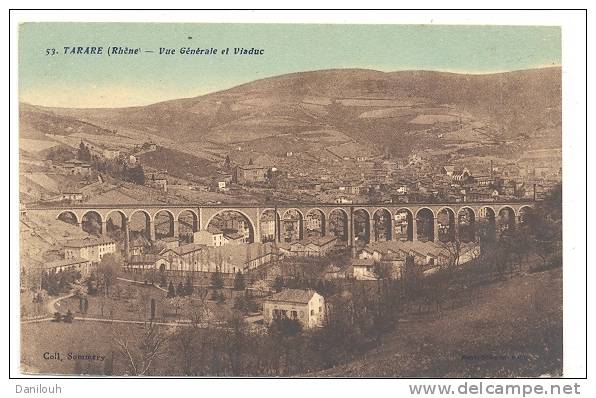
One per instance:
[(305, 306), (364, 269)]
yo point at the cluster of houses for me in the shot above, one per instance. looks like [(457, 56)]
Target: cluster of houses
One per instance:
[(215, 237), (391, 257), (309, 247), (364, 178), (82, 254), (72, 167), (209, 252)]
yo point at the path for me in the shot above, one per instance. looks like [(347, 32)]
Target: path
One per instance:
[(51, 305)]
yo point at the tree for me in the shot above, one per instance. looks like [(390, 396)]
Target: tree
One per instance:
[(185, 341), (235, 337), (239, 283), (188, 287), (139, 357), (152, 309), (281, 325), (69, 317), (177, 303), (453, 248), (171, 291), (107, 271), (83, 153), (137, 174), (217, 280), (180, 290), (60, 154), (278, 284), (544, 226)]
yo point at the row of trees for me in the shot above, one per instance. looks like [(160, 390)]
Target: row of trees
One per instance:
[(59, 282), (181, 290)]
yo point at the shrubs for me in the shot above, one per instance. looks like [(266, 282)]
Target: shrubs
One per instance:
[(239, 283), (58, 282), (181, 290), (217, 281), (68, 317), (246, 304), (218, 297)]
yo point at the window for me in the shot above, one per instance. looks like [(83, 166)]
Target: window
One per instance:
[(294, 314), (312, 312)]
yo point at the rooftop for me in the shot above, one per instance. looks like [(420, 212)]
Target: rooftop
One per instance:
[(145, 259), (65, 262), (234, 235), (252, 167), (293, 296), (88, 241), (363, 262), (169, 239), (185, 249)]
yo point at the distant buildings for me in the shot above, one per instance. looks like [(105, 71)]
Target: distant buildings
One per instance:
[(144, 262), (183, 258), (268, 230), (73, 167), (90, 248), (247, 174), (196, 257), (110, 153), (235, 238), (309, 247), (212, 237), (158, 180), (79, 264), (390, 257), (305, 306), (169, 242), (363, 269), (69, 196)]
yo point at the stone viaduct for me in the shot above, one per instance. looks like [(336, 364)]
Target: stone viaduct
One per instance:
[(426, 221)]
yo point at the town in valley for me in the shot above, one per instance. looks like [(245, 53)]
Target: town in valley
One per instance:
[(342, 222)]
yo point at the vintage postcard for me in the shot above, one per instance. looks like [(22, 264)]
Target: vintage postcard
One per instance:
[(296, 200)]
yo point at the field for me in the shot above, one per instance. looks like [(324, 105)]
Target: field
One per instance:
[(31, 145), (131, 302)]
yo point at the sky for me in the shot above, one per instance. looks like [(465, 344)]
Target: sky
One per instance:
[(129, 80)]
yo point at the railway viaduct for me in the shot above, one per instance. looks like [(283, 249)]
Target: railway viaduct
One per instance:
[(428, 221)]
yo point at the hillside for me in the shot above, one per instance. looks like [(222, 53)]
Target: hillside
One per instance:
[(512, 329), (495, 114)]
